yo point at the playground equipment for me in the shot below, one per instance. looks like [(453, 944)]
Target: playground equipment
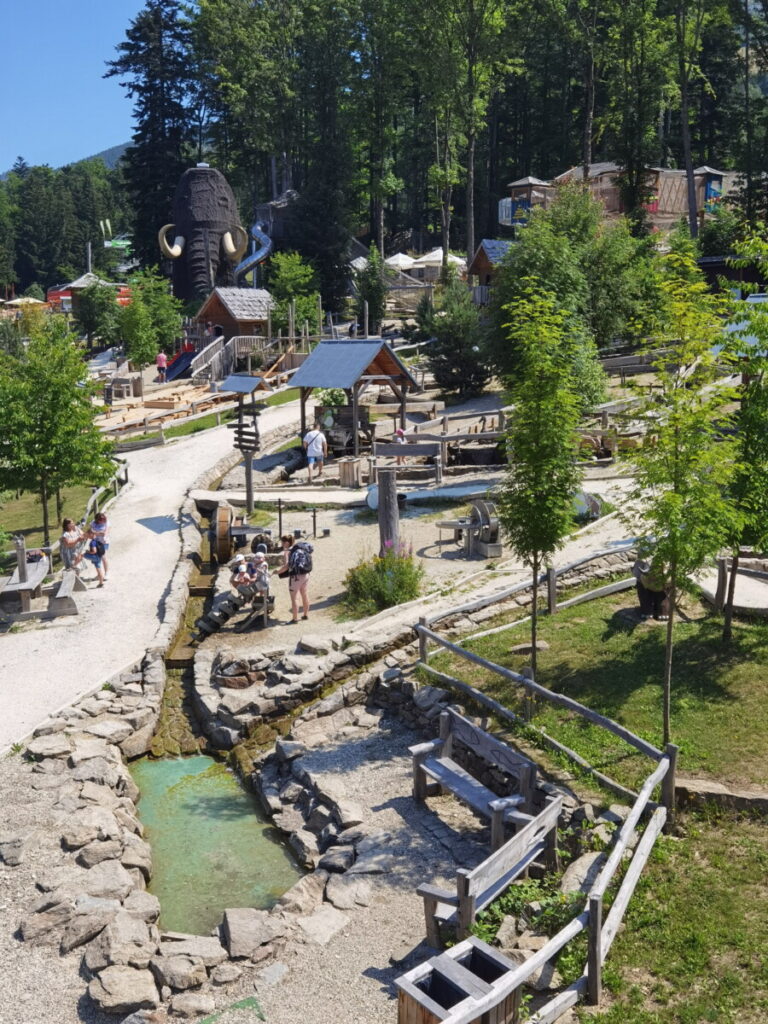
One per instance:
[(208, 238), (479, 531), (252, 261)]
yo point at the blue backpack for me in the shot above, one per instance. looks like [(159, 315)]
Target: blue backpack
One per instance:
[(300, 558)]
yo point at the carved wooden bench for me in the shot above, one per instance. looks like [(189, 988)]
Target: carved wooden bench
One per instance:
[(435, 771), (478, 888)]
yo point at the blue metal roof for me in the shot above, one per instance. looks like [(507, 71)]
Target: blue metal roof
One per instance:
[(240, 384), (340, 363), (496, 249)]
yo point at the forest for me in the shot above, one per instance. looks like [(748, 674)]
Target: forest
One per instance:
[(397, 123)]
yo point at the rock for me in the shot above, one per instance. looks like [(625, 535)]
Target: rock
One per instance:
[(225, 974), (312, 644), (319, 818), (124, 989), (99, 770), (199, 947), (323, 924), (158, 1016), (13, 848), (531, 942), (581, 874), (584, 813), (86, 748), (238, 701), (43, 927), (53, 745), (272, 975), (291, 791), (137, 854), (542, 979), (143, 905), (306, 894), (375, 861), (84, 927), (526, 648), (139, 742), (110, 729), (338, 859), (193, 1004), (287, 750), (615, 815), (85, 904), (126, 940), (97, 851), (507, 933), (304, 845), (348, 891), (179, 972), (49, 727), (289, 819), (108, 879), (102, 796), (245, 929)]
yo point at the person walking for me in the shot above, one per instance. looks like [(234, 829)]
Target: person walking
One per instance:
[(99, 529), (69, 544), (316, 448), (162, 366), (297, 566)]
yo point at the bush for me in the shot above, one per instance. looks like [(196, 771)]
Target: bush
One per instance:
[(383, 581)]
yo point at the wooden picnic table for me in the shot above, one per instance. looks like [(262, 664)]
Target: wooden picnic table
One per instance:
[(32, 586)]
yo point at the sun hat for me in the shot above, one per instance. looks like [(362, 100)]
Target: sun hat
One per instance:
[(259, 557), (239, 558)]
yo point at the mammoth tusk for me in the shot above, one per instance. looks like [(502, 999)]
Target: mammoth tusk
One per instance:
[(235, 247), (172, 252)]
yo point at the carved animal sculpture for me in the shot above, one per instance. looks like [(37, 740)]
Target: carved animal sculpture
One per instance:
[(208, 238)]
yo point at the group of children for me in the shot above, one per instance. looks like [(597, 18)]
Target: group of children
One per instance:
[(76, 544), (251, 577)]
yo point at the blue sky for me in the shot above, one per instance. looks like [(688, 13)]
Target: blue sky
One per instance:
[(57, 107)]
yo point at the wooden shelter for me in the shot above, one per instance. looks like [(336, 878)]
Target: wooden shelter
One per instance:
[(238, 311), (353, 365), (489, 255)]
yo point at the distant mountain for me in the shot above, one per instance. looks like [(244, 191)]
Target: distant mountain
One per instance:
[(109, 156)]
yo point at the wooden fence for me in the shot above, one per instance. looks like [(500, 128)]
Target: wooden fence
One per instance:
[(601, 932)]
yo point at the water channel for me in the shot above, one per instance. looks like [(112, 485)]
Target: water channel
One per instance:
[(212, 848)]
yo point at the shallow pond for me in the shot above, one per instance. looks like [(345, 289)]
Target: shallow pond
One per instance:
[(211, 845)]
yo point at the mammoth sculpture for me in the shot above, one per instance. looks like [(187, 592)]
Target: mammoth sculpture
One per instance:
[(208, 238)]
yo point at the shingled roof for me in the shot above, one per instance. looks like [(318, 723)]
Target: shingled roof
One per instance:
[(244, 303), (341, 363), (495, 249)]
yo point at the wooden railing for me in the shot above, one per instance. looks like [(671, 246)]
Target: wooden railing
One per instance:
[(601, 933)]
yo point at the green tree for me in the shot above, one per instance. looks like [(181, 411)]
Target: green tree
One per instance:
[(291, 278), (456, 357), (97, 313), (165, 311), (371, 287), (48, 439), (536, 497), (137, 331), (680, 504)]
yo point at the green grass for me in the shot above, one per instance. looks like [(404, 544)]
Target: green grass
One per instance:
[(284, 396), (603, 659), (694, 947), (24, 514)]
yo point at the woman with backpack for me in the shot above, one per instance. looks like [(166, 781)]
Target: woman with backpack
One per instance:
[(297, 566), (99, 531)]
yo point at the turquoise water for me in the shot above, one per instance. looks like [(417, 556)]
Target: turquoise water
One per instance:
[(211, 845)]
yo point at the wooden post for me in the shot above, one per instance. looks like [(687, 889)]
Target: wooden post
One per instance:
[(356, 425), (422, 641), (595, 951), (248, 458), (722, 584), (365, 319), (21, 558), (438, 470), (269, 327), (303, 407), (604, 419), (319, 317), (291, 321), (668, 785), (528, 704), (389, 514), (551, 590)]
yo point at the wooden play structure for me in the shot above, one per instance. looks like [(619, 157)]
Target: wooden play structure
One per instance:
[(479, 532)]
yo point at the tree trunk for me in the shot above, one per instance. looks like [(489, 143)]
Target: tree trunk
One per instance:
[(44, 502), (685, 124), (445, 223), (728, 610), (59, 505), (589, 114), (534, 614), (470, 202), (380, 225), (667, 696)]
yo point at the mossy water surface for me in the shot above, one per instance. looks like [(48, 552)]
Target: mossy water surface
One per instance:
[(211, 845)]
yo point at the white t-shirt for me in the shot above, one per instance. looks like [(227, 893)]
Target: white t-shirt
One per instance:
[(314, 442)]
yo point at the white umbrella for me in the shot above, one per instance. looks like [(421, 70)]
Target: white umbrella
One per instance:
[(25, 300), (400, 261), (435, 259)]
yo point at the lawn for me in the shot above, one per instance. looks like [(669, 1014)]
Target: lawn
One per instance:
[(604, 658), (24, 515), (283, 396)]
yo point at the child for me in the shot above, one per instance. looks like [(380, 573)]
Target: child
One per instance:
[(94, 553)]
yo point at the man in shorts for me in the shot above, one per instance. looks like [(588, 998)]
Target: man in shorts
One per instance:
[(316, 448)]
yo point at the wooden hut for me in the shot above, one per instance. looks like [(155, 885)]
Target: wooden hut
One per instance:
[(237, 311), (353, 365)]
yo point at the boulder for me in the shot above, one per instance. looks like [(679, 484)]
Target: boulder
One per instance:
[(304, 845), (238, 701), (108, 879), (348, 891), (84, 927), (43, 927), (53, 745), (102, 796), (179, 972), (312, 644), (85, 748), (193, 1004), (543, 979), (287, 750), (245, 929), (338, 859), (97, 851), (99, 770), (321, 926), (581, 874), (110, 729), (124, 989), (14, 847), (506, 936), (143, 905), (225, 974), (306, 894), (137, 854), (126, 940), (199, 947), (139, 742)]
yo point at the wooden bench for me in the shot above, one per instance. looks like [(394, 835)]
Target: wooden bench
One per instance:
[(478, 888), (62, 602), (433, 761), (32, 586)]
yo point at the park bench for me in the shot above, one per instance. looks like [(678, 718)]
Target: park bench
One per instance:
[(30, 587), (478, 888), (435, 771), (62, 602)]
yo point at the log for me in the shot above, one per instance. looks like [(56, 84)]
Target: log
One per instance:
[(389, 513)]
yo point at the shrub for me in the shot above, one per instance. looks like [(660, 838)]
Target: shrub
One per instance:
[(384, 581)]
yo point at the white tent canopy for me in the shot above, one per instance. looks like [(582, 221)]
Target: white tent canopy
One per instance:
[(435, 259), (400, 261)]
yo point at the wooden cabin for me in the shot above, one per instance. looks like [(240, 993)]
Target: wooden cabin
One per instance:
[(237, 311)]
